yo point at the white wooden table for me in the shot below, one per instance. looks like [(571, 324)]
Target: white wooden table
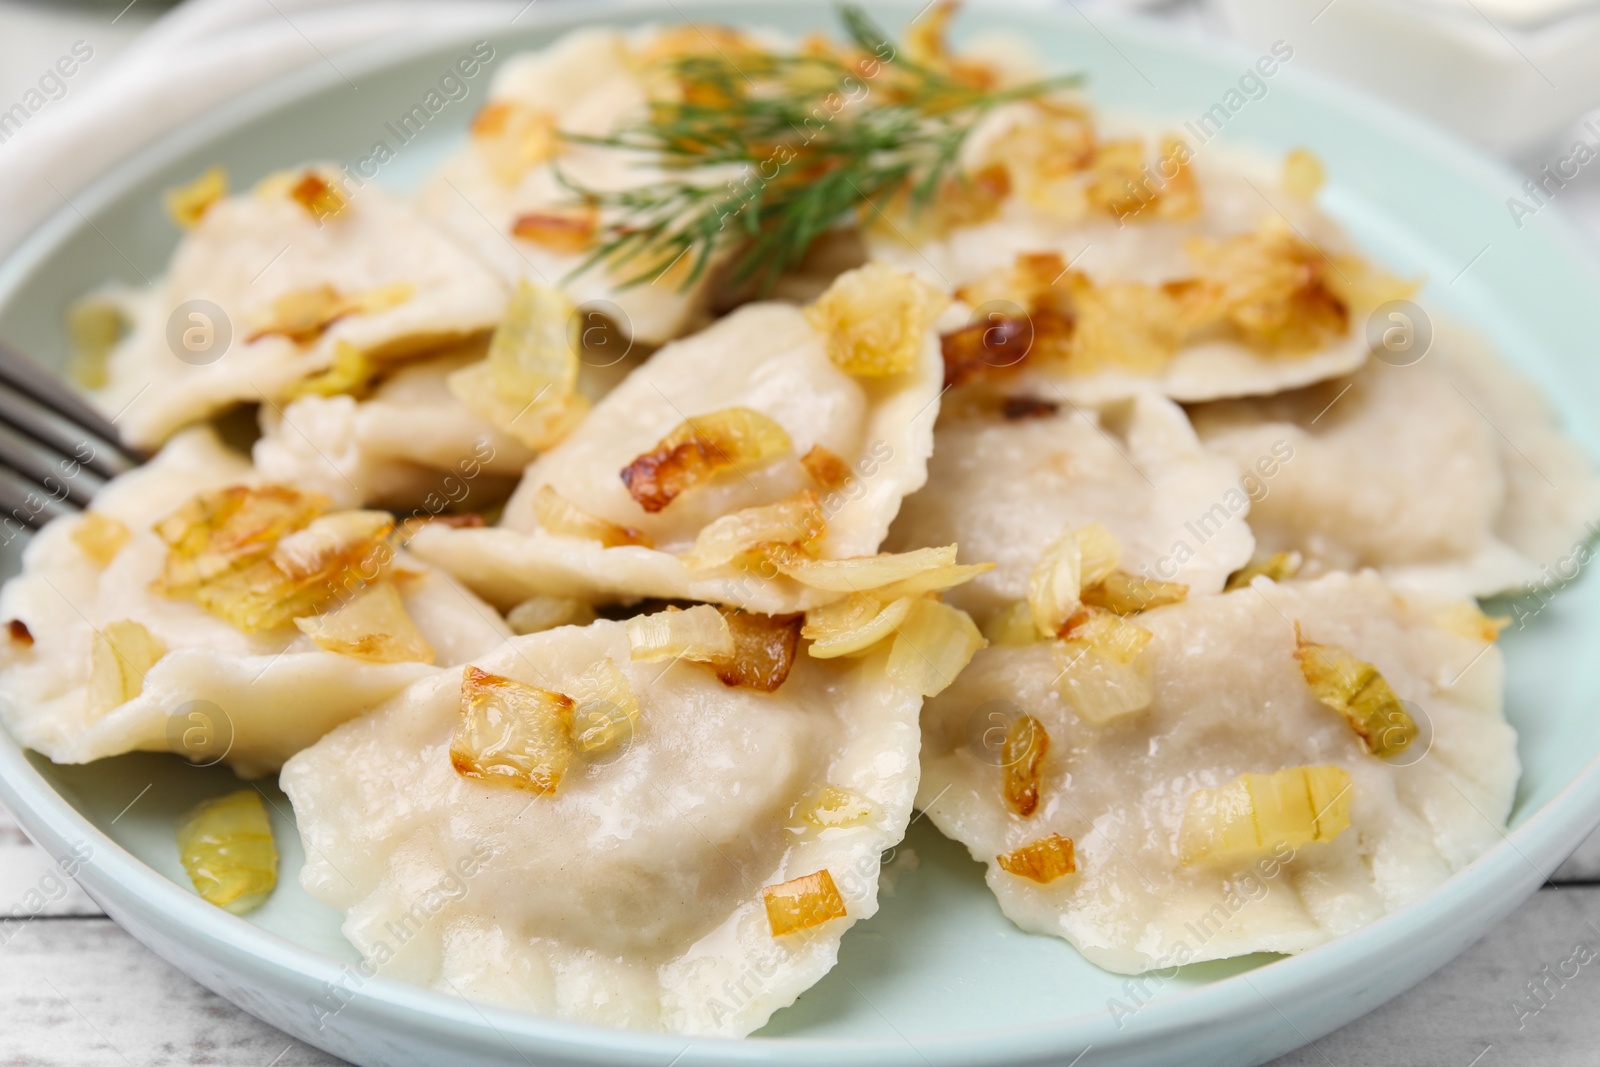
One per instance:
[(75, 991)]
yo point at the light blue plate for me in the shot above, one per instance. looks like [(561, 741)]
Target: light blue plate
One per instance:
[(938, 976)]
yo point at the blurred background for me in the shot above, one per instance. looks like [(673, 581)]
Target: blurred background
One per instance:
[(1516, 77)]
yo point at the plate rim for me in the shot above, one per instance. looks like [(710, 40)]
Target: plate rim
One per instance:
[(1494, 882)]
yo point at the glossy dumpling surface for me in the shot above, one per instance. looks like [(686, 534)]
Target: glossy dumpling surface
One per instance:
[(261, 696), (1230, 699), (631, 895)]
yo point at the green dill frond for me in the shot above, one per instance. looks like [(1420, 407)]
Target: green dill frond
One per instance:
[(767, 152)]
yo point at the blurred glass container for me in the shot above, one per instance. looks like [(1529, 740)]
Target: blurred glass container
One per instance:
[(1508, 74)]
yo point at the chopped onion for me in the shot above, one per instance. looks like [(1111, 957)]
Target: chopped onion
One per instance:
[(1258, 813), (119, 655), (304, 573), (1280, 567), (763, 649), (187, 204), (351, 373), (226, 846), (512, 733), (540, 613), (796, 521), (561, 516), (853, 624), (565, 230), (1055, 584), (875, 320), (320, 199), (373, 627), (226, 529), (1022, 763), (861, 573), (1014, 626), (94, 325), (699, 449), (827, 470), (934, 645), (512, 138), (1106, 672), (802, 903), (527, 386), (604, 708), (100, 536), (1303, 174), (1464, 619), (1129, 594), (700, 633), (1356, 690), (1041, 861)]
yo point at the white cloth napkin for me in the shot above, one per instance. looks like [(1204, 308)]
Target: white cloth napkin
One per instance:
[(191, 59)]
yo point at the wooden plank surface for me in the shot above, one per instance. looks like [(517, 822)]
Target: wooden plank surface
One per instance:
[(75, 991)]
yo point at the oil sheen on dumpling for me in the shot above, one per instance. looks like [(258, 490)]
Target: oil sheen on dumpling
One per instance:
[(632, 895), (502, 193), (1003, 488), (1041, 193), (260, 697), (291, 287), (766, 358), (1449, 473), (1230, 698)]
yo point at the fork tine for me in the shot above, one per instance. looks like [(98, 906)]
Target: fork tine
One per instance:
[(43, 472), (44, 388), (23, 505), (49, 430)]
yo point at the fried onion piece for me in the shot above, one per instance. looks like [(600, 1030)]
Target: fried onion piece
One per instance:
[(1022, 763), (1356, 690), (320, 199), (1106, 672), (374, 627), (188, 203), (540, 613), (1280, 567), (700, 633), (100, 536), (764, 648), (512, 733), (225, 529), (1129, 594), (796, 521), (227, 848), (119, 655), (1041, 861), (565, 230), (561, 516), (801, 903), (514, 138), (933, 646), (1259, 813), (699, 449), (304, 573), (605, 709), (875, 319), (827, 470)]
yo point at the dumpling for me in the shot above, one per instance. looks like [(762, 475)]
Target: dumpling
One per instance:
[(504, 192), (98, 661), (410, 442), (1113, 265), (1448, 473), (775, 424), (1008, 475), (639, 885), (270, 286), (1243, 809)]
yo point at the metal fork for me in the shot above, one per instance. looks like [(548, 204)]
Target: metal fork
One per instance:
[(55, 449)]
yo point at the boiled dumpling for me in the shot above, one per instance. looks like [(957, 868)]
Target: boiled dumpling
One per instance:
[(1448, 473), (504, 192), (1129, 848), (98, 662), (1009, 475), (775, 424), (1114, 265), (299, 278), (410, 444), (639, 884)]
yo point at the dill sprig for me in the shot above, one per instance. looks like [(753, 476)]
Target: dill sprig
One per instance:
[(770, 151)]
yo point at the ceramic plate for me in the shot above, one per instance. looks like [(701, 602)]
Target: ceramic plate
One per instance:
[(938, 976)]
